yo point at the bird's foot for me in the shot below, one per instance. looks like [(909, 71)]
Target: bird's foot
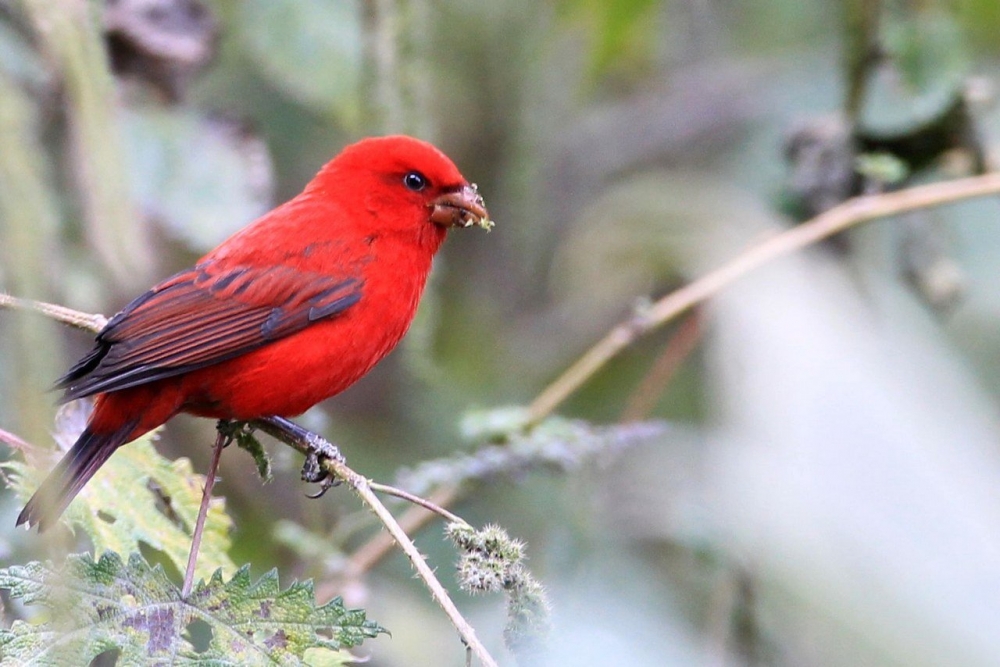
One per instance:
[(313, 470), (318, 450)]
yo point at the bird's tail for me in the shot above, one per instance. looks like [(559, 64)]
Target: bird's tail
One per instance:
[(84, 459)]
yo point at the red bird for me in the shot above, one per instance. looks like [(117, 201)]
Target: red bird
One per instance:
[(287, 312)]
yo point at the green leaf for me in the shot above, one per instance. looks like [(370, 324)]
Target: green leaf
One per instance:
[(622, 33), (94, 607), (287, 621), (201, 178), (921, 75), (243, 435), (494, 425), (138, 496), (310, 49)]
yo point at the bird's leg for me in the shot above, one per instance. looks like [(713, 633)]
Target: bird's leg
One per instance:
[(317, 450), (233, 430), (222, 440)]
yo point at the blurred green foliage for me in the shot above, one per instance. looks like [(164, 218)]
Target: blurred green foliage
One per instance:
[(825, 492)]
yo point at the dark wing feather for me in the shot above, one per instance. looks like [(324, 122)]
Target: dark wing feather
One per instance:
[(204, 316)]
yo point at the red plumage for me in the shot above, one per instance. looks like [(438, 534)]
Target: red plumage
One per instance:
[(289, 311)]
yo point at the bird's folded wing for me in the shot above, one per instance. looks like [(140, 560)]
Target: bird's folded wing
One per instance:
[(204, 316)]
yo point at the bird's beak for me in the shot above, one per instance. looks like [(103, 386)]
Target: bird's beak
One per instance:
[(461, 208)]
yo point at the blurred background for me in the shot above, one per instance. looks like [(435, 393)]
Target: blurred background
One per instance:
[(822, 482)]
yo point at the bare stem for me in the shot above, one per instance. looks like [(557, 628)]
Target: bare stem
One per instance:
[(221, 441), (837, 219), (416, 500)]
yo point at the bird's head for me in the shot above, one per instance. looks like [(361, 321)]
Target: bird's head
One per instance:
[(404, 185)]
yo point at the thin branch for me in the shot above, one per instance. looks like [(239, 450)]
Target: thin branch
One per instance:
[(74, 318), (416, 500), (468, 633), (834, 221), (308, 443)]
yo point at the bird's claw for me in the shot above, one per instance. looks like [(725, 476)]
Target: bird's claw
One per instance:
[(313, 470), (324, 486)]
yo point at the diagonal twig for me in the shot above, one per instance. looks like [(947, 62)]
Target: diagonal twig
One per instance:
[(74, 318), (424, 503), (648, 392)]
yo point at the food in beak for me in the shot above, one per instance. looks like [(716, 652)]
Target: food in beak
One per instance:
[(461, 208)]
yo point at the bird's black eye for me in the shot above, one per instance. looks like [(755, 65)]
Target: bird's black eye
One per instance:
[(415, 181)]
